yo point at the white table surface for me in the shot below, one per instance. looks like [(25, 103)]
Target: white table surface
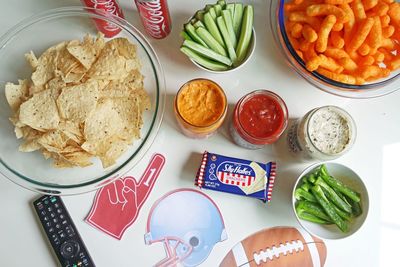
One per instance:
[(374, 157)]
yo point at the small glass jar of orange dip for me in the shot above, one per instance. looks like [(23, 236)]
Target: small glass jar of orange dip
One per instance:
[(200, 108), (259, 118)]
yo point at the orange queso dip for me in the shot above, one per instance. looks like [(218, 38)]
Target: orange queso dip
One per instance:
[(201, 102)]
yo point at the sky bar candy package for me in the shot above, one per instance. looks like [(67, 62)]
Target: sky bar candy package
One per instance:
[(236, 176)]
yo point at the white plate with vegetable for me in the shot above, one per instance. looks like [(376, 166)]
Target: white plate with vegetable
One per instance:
[(330, 200), (220, 37)]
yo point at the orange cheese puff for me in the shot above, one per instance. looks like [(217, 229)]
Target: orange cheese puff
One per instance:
[(325, 9), (337, 2), (309, 34), (388, 31), (385, 20), (368, 4), (300, 54), (330, 64), (361, 34), (375, 36), (296, 30), (394, 13), (379, 57), (343, 78), (364, 49), (336, 53), (300, 16), (354, 55), (294, 42), (388, 44), (323, 34), (313, 63), (358, 9), (388, 1), (304, 45), (348, 26), (395, 64), (310, 53), (348, 64), (289, 7), (380, 9), (337, 27), (359, 80), (336, 39), (373, 71), (388, 55), (298, 2), (365, 61)]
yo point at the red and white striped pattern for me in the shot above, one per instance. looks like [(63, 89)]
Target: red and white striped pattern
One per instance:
[(200, 173), (235, 179), (271, 181)]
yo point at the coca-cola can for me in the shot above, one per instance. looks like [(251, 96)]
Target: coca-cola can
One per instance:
[(109, 29), (155, 17)]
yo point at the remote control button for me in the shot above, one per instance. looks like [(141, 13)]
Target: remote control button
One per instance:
[(59, 210), (69, 249), (43, 212), (62, 217), (52, 215), (63, 235), (51, 230), (48, 224), (40, 206), (55, 220), (70, 231), (57, 241), (56, 205), (58, 226), (64, 222), (49, 209), (46, 202), (45, 218)]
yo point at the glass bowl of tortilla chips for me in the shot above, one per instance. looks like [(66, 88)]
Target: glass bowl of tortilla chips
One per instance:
[(78, 110)]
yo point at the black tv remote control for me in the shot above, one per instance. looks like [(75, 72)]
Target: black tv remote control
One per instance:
[(61, 232)]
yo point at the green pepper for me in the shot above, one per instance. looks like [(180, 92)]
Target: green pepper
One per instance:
[(300, 193), (329, 208), (313, 209), (332, 196)]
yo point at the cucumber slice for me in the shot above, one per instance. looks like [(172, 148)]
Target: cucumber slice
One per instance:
[(206, 52), (208, 7), (199, 24), (237, 18), (185, 35), (229, 26), (225, 35), (222, 3), (245, 33), (192, 33), (212, 13), (231, 8), (200, 15), (213, 29), (218, 9), (210, 41), (205, 62)]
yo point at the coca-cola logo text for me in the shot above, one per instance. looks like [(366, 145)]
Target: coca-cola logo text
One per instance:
[(110, 7), (153, 18)]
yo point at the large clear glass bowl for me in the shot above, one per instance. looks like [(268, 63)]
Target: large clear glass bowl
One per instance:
[(369, 90), (37, 33)]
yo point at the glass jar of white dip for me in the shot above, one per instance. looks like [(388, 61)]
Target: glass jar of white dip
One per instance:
[(324, 133)]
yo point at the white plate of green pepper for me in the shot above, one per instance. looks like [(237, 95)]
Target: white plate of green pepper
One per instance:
[(330, 200)]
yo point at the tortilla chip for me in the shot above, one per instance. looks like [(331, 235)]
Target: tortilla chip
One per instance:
[(40, 112), (103, 122), (32, 60), (29, 146), (87, 51), (16, 93), (75, 103)]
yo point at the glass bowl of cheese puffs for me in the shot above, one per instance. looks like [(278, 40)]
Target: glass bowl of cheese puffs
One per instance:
[(349, 48)]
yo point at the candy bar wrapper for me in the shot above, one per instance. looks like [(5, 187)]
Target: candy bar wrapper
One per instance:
[(236, 176)]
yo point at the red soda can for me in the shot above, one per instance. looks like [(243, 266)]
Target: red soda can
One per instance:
[(110, 7), (155, 17)]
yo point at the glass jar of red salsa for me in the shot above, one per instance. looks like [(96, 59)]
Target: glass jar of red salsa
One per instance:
[(259, 118)]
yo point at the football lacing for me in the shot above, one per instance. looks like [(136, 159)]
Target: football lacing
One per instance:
[(269, 253)]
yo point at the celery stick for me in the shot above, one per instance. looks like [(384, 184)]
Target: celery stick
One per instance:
[(213, 29), (185, 35), (222, 3), (231, 8), (206, 52), (199, 24), (210, 41), (205, 62), (225, 35), (213, 13), (200, 15), (192, 33), (229, 26), (245, 33), (237, 18), (218, 9)]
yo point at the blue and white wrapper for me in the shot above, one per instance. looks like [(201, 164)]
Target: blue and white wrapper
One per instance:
[(236, 176)]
